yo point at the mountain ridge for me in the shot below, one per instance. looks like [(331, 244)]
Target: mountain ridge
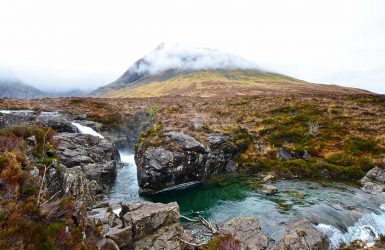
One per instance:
[(203, 72)]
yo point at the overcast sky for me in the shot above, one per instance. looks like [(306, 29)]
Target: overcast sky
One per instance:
[(88, 43)]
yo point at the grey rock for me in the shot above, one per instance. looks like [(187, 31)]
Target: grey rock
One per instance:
[(141, 225), (283, 154), (302, 235), (268, 189), (268, 178), (374, 180), (55, 121), (247, 231), (34, 172), (77, 185), (184, 141), (97, 157), (107, 244), (164, 167)]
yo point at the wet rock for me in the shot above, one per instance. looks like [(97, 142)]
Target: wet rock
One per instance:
[(268, 189), (302, 235), (183, 159), (374, 180), (247, 231)]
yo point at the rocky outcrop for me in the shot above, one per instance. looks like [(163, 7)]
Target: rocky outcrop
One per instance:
[(374, 180), (302, 235), (141, 225), (57, 121), (247, 231), (89, 165), (182, 159)]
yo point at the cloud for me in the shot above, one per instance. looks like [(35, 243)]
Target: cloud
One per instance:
[(184, 58)]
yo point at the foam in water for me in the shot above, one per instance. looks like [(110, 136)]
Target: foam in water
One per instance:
[(126, 183), (86, 130), (367, 229)]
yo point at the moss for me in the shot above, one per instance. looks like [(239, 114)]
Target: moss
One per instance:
[(359, 145)]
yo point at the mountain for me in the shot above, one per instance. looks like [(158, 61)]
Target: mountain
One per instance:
[(19, 90), (176, 70)]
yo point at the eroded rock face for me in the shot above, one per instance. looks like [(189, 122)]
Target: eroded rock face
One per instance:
[(183, 159), (97, 157), (141, 225), (90, 164), (247, 231), (374, 180), (302, 235)]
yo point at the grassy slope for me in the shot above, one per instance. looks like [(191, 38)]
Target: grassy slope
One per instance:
[(211, 83)]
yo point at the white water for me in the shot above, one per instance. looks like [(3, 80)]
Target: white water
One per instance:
[(126, 183), (86, 130), (15, 111), (367, 229)]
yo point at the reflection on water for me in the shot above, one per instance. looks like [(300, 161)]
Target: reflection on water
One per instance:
[(342, 211)]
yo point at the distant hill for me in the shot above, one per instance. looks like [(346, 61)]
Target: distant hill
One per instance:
[(17, 89), (174, 70)]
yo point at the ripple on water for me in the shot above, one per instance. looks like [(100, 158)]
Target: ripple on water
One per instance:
[(342, 211)]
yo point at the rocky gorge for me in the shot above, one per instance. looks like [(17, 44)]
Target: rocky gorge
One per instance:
[(87, 165)]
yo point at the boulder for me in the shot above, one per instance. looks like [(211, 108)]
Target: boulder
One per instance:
[(182, 159), (184, 141), (247, 231), (56, 121), (145, 225), (97, 157), (302, 235), (268, 189), (374, 180)]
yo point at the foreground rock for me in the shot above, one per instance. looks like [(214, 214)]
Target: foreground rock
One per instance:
[(183, 159), (247, 231), (88, 166), (374, 180), (302, 235), (142, 225)]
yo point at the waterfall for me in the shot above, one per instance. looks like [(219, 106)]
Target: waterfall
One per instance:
[(367, 229), (86, 130), (126, 183)]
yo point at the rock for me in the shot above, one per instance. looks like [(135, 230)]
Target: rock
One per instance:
[(165, 238), (166, 166), (107, 244), (97, 157), (17, 118), (247, 231), (283, 154), (184, 141), (56, 121), (302, 235), (77, 185), (146, 225), (268, 178), (121, 236), (268, 189), (147, 217), (374, 180), (31, 140)]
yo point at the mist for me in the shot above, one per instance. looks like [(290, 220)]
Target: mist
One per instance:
[(54, 46)]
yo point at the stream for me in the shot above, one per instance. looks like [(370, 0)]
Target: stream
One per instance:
[(340, 210)]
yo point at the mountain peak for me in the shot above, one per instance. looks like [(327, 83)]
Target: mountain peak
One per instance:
[(184, 58)]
